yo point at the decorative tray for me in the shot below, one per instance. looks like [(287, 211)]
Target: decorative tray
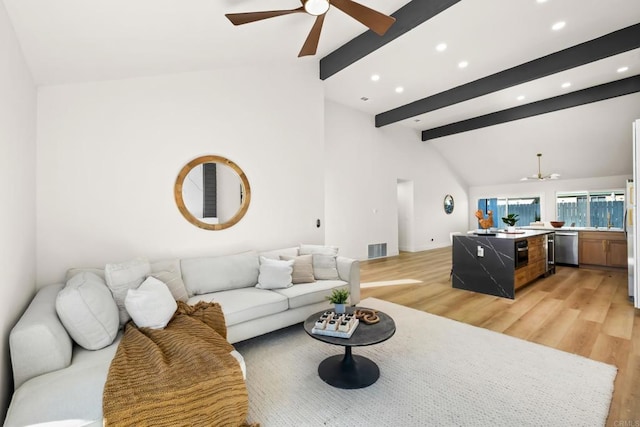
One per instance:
[(346, 323)]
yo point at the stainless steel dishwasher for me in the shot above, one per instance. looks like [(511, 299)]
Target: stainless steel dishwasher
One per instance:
[(566, 243)]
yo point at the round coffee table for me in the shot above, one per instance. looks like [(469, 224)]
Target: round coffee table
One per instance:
[(351, 371)]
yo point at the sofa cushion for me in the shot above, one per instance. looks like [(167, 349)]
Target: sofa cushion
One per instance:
[(169, 273), (214, 274), (124, 276), (310, 293), (173, 282), (88, 312), (325, 267), (276, 253), (39, 342), (302, 268), (274, 274), (151, 305), (66, 397), (241, 305), (73, 271), (318, 249)]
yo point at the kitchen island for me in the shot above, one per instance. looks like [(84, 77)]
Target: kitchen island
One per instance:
[(499, 263)]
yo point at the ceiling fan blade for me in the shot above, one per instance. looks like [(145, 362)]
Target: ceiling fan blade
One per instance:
[(245, 18), (377, 22), (311, 43)]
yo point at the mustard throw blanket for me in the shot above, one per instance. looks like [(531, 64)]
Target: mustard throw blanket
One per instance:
[(182, 375)]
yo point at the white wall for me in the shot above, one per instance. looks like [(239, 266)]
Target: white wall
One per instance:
[(109, 154), (17, 192), (546, 190), (363, 165), (405, 215)]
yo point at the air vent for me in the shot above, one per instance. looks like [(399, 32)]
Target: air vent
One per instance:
[(377, 250)]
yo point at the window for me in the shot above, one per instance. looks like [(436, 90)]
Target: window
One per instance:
[(527, 208), (591, 208), (572, 209)]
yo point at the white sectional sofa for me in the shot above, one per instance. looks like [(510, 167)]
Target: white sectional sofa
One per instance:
[(59, 382)]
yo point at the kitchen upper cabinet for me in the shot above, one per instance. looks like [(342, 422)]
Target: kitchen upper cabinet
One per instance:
[(602, 248)]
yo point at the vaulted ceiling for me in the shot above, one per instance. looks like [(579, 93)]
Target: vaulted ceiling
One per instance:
[(510, 101)]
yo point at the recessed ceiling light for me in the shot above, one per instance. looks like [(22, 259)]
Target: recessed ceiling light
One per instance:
[(623, 69), (375, 77), (541, 1), (566, 84), (558, 25), (441, 47), (399, 89), (463, 64), (520, 98), (364, 98)]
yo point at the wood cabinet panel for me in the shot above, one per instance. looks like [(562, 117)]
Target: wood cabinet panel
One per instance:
[(592, 251), (617, 253), (602, 248), (521, 277), (537, 264)]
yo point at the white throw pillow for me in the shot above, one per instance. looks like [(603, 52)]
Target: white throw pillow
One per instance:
[(151, 305), (124, 276), (318, 249), (274, 274), (87, 311), (325, 267)]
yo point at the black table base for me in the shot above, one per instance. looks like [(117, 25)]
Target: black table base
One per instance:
[(348, 371)]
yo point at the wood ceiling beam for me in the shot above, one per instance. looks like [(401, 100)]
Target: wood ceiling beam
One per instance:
[(603, 47), (407, 17), (585, 96)]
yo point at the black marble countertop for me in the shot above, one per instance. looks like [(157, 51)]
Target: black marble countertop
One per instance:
[(502, 234)]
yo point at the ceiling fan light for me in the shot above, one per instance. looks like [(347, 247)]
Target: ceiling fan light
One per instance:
[(539, 176), (316, 7)]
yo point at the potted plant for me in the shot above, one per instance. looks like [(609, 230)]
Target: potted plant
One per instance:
[(510, 220), (339, 298)]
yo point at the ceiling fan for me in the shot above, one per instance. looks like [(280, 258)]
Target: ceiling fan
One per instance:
[(539, 176), (377, 22)]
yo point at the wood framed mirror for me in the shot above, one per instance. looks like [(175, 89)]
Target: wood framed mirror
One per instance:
[(212, 192)]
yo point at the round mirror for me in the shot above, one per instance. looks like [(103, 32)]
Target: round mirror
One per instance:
[(448, 204), (212, 192)]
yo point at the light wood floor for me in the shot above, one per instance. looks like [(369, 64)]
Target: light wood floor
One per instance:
[(581, 311)]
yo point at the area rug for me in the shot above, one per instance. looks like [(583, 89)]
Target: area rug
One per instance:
[(433, 372)]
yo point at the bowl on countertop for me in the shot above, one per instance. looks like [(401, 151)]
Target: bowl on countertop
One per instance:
[(557, 224)]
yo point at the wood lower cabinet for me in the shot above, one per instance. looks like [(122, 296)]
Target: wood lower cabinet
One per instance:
[(602, 248), (537, 265), (617, 251)]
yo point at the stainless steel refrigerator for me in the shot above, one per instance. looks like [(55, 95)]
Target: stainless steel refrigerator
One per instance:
[(631, 219)]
